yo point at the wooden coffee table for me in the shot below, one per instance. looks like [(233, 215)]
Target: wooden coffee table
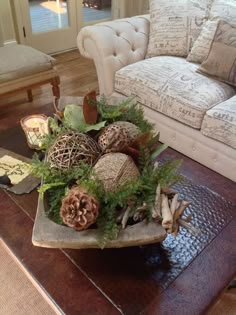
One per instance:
[(119, 281)]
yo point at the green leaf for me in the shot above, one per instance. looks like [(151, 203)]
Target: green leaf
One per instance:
[(97, 126), (46, 187), (158, 151), (154, 140), (74, 119), (53, 125)]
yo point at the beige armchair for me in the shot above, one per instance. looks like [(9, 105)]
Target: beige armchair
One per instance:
[(24, 68)]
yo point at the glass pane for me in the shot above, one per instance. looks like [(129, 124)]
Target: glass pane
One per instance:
[(48, 15), (94, 10)]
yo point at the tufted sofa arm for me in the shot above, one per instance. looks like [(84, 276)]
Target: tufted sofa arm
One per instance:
[(113, 45)]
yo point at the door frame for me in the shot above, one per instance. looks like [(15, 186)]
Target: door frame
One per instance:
[(77, 7), (37, 39)]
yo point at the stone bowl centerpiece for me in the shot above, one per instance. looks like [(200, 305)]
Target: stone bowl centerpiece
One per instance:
[(101, 183)]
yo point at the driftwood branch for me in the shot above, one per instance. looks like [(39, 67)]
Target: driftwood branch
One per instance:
[(167, 218), (156, 210), (140, 213), (189, 227), (125, 217)]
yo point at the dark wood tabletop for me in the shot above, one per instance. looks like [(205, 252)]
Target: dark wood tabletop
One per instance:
[(123, 281)]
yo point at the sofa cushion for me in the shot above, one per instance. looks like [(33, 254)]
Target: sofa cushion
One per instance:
[(18, 61), (223, 44), (175, 25), (171, 86), (220, 122), (221, 10)]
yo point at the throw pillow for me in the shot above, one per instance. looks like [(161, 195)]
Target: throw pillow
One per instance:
[(175, 25), (221, 60), (221, 10)]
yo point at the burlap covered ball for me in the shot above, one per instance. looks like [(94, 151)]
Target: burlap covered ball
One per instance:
[(72, 148), (114, 170)]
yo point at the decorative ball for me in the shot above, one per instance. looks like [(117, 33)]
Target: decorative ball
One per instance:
[(117, 136), (114, 170), (132, 129), (72, 148), (79, 210)]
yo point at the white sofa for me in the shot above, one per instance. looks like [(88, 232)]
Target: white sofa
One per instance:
[(184, 105)]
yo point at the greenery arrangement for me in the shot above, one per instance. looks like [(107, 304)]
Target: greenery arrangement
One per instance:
[(81, 195)]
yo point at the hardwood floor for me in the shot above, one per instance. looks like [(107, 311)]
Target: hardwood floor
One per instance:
[(78, 76)]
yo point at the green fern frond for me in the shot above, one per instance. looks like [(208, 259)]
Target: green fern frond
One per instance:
[(168, 173), (55, 197), (111, 112), (135, 114)]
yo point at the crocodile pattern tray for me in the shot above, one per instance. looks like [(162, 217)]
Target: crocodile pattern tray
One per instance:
[(141, 272)]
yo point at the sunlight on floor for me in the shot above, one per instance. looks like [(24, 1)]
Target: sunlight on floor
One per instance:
[(57, 7), (52, 15), (48, 15)]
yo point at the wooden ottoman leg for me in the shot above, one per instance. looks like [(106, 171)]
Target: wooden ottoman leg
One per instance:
[(55, 87), (30, 95)]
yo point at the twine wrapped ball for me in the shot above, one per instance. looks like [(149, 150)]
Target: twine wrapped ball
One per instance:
[(114, 170), (117, 136), (72, 148)]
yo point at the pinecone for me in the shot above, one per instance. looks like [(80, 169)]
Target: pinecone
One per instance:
[(79, 209)]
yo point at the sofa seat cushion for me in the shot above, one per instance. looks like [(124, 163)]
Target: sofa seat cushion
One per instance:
[(220, 122), (17, 61), (170, 85)]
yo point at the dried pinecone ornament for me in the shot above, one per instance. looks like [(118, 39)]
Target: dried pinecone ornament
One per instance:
[(70, 149), (114, 170), (117, 136), (79, 210)]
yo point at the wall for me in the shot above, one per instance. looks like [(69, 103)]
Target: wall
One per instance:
[(7, 24), (1, 36), (126, 8)]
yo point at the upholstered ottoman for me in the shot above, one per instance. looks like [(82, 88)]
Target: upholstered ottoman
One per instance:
[(23, 68)]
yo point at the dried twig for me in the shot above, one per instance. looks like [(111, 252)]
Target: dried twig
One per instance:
[(174, 203), (179, 211), (188, 218), (156, 210), (140, 212), (167, 218), (125, 217), (155, 166), (120, 215), (189, 227)]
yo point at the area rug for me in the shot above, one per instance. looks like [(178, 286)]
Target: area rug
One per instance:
[(19, 292)]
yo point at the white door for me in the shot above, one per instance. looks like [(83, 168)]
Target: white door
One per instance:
[(48, 25)]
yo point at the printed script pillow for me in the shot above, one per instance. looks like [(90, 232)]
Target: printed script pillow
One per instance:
[(175, 25), (221, 10), (221, 60)]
